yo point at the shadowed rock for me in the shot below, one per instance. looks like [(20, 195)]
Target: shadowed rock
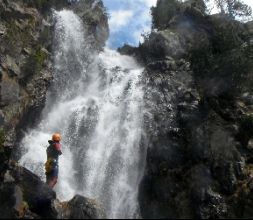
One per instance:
[(24, 195), (80, 208)]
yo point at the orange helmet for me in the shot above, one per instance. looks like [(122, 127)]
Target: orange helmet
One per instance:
[(56, 137)]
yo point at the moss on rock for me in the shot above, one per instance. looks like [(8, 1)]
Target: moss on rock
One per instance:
[(39, 56)]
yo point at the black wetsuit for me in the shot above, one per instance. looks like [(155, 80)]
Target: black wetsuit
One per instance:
[(53, 153)]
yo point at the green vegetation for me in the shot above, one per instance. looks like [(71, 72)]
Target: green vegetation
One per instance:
[(39, 56), (164, 12), (233, 8), (227, 60), (34, 64), (36, 60)]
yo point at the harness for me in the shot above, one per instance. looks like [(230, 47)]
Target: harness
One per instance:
[(53, 153)]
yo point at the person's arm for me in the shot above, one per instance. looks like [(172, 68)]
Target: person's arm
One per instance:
[(58, 148)]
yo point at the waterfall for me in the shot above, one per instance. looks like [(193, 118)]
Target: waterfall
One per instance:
[(96, 103)]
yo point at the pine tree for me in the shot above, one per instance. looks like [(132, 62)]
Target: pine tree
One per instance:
[(234, 8)]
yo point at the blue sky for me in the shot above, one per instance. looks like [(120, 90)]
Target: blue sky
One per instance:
[(128, 20)]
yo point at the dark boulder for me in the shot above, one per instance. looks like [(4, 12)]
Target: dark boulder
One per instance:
[(81, 208), (35, 193), (24, 195)]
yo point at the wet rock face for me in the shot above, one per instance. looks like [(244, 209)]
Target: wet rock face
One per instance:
[(95, 18), (171, 99), (163, 43), (24, 63), (199, 134)]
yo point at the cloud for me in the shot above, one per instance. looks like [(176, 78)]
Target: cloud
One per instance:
[(128, 20), (119, 19), (150, 3)]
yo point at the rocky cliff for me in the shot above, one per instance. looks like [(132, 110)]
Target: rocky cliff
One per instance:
[(198, 119), (26, 37), (25, 65)]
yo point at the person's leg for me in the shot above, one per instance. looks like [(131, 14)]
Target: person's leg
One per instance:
[(47, 178), (53, 181), (53, 177), (50, 179)]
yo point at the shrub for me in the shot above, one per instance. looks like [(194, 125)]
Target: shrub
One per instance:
[(227, 60)]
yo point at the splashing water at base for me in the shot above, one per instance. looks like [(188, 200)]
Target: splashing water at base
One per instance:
[(96, 103)]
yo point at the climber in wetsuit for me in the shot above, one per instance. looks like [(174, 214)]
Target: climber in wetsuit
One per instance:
[(52, 166)]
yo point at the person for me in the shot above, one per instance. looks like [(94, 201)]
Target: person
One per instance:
[(52, 166)]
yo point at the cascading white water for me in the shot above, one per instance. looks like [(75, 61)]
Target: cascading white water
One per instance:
[(96, 102)]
